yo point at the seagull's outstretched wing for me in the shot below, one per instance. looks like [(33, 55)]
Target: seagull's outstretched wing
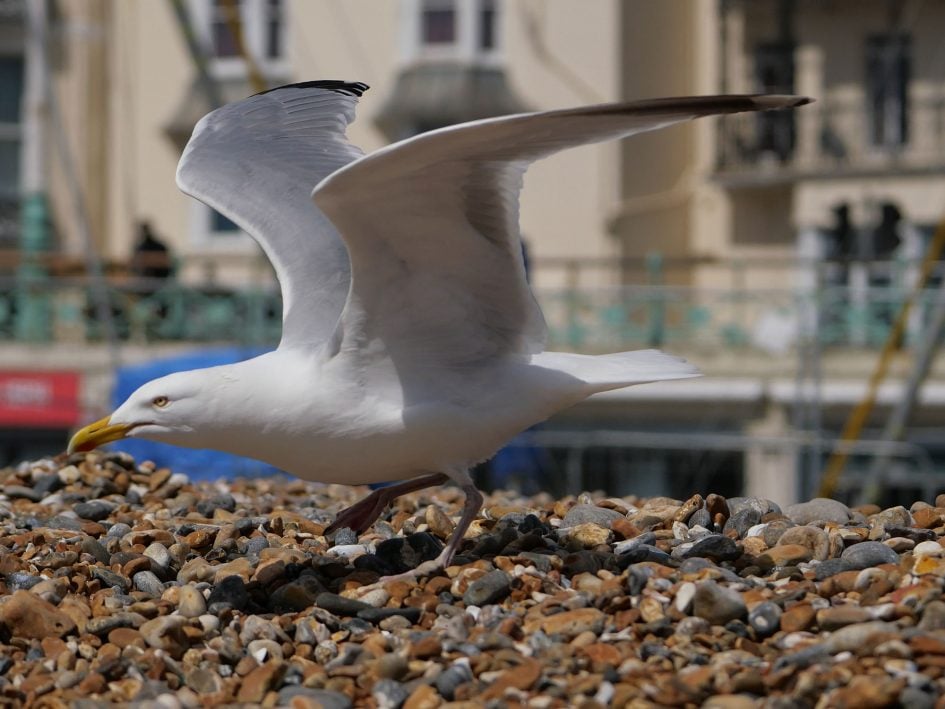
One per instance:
[(256, 161), (431, 225)]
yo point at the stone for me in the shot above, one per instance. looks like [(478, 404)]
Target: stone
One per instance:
[(311, 698), (765, 618), (589, 534), (716, 547), (389, 694), (813, 538), (439, 524), (166, 633), (866, 554), (95, 510), (28, 616), (837, 617), (259, 681), (820, 509), (491, 588), (717, 604), (894, 516), (933, 616), (742, 521), (228, 593), (570, 623), (297, 595), (191, 603), (590, 514), (784, 555), (340, 605), (147, 582)]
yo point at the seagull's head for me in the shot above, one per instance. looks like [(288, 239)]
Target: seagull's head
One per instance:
[(170, 409)]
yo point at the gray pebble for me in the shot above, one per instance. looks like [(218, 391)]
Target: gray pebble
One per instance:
[(158, 553), (94, 510), (820, 509), (765, 618), (713, 546), (717, 604), (701, 518), (492, 587), (389, 694), (447, 681), (256, 545), (759, 504), (110, 578), (893, 517), (94, 548), (147, 582), (916, 698), (21, 491), (831, 567), (344, 537), (743, 520), (103, 625), (118, 530), (325, 698), (867, 554), (339, 605), (583, 514)]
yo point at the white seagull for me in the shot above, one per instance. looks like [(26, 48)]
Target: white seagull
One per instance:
[(412, 347)]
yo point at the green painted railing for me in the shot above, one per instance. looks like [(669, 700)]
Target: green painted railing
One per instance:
[(579, 319)]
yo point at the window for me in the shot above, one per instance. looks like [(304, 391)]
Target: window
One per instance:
[(487, 25), (263, 29), (11, 92), (223, 41), (454, 29), (438, 22), (888, 69), (774, 74)]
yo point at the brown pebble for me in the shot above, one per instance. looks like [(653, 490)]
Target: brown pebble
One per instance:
[(797, 617), (124, 637), (28, 616), (257, 683)]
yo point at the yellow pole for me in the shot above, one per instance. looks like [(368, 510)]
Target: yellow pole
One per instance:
[(231, 13), (858, 417)]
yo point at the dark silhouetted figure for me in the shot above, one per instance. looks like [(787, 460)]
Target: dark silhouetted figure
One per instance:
[(152, 258)]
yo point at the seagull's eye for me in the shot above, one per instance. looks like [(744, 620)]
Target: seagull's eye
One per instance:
[(160, 402)]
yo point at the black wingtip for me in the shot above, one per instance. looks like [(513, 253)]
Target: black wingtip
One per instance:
[(349, 88)]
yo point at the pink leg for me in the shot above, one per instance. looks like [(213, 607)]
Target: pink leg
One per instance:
[(362, 514), (470, 509)]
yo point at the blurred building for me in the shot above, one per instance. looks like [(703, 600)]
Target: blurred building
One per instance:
[(773, 250)]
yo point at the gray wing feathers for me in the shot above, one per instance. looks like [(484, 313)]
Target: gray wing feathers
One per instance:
[(431, 225), (256, 161)]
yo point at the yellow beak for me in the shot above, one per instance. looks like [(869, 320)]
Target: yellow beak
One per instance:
[(98, 434)]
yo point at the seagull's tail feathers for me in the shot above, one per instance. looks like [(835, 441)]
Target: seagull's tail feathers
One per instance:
[(618, 370)]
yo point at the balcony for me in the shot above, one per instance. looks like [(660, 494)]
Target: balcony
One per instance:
[(831, 138)]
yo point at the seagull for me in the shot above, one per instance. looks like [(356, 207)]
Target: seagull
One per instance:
[(412, 347)]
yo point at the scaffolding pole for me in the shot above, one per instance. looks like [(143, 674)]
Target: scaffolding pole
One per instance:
[(899, 418)]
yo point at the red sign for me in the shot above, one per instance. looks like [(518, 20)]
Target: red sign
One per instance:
[(44, 399)]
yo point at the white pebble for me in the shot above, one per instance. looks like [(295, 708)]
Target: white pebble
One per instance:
[(928, 549)]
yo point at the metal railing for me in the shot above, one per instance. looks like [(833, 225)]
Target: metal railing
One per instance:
[(147, 311), (738, 308)]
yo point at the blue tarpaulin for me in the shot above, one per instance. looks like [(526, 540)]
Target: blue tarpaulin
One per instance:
[(197, 464)]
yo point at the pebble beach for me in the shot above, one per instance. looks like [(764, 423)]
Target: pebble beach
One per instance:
[(126, 584)]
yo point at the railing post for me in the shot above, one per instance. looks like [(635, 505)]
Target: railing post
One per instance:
[(656, 305)]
